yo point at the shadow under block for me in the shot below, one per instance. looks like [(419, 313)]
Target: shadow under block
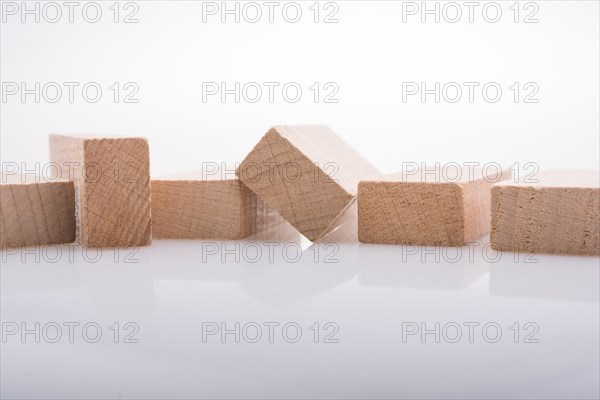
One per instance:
[(421, 208), (189, 207), (558, 214), (34, 211), (112, 188), (306, 173)]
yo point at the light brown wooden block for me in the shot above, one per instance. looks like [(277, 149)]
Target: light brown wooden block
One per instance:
[(307, 173), (425, 208), (34, 211), (197, 206), (558, 214), (112, 188)]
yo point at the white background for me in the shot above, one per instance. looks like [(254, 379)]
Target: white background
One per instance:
[(369, 53), (371, 290)]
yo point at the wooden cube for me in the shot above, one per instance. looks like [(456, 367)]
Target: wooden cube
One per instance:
[(560, 213), (36, 211), (200, 206), (112, 187), (427, 207), (307, 173)]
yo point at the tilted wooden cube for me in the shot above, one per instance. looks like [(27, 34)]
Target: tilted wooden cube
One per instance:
[(112, 187), (202, 206), (425, 208), (307, 173), (560, 213), (36, 211)]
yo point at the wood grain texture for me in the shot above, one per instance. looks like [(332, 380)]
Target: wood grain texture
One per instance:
[(191, 207), (558, 214), (424, 209), (34, 211), (307, 173), (112, 188)]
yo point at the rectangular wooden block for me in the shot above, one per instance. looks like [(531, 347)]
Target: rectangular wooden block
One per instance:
[(112, 187), (34, 211), (196, 206), (306, 173), (558, 214), (426, 207)]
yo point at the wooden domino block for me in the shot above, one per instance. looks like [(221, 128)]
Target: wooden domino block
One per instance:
[(201, 206), (427, 207), (35, 211), (560, 213), (112, 187), (307, 173)]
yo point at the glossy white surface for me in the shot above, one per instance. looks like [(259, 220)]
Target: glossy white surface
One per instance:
[(174, 290)]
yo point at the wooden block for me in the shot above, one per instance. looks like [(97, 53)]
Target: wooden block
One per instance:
[(424, 208), (34, 211), (558, 214), (200, 206), (307, 173), (112, 188)]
